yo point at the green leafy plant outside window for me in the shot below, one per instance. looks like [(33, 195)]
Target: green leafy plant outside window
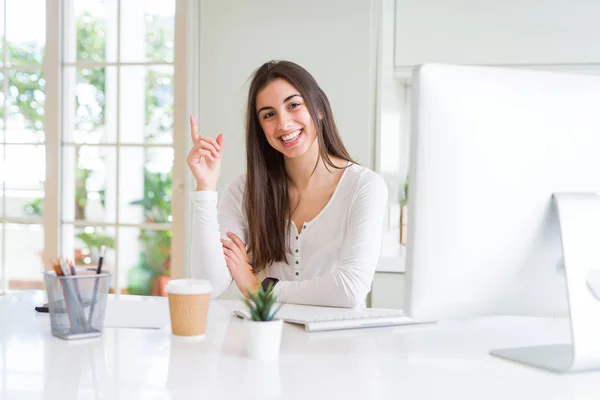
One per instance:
[(155, 257)]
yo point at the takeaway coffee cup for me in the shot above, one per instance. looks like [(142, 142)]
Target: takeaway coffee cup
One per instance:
[(188, 306)]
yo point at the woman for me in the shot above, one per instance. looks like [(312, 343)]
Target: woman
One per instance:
[(305, 217)]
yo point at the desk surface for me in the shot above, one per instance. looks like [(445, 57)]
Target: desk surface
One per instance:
[(448, 361)]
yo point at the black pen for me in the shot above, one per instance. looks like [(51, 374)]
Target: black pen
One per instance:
[(43, 308), (102, 250)]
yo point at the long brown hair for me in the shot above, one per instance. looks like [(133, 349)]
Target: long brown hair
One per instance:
[(266, 196)]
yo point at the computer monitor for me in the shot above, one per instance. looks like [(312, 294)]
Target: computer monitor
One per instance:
[(504, 171)]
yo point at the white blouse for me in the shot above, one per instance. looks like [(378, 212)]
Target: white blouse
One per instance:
[(331, 262)]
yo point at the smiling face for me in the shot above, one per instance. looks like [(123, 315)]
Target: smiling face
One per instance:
[(285, 118)]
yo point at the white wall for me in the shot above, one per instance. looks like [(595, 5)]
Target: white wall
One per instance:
[(540, 34), (530, 32), (334, 40)]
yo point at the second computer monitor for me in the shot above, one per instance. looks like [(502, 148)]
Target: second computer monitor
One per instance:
[(489, 148)]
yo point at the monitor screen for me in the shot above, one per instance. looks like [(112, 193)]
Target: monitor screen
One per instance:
[(489, 148)]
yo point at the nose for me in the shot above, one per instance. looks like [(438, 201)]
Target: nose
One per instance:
[(285, 122)]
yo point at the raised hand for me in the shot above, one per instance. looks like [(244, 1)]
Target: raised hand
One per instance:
[(204, 159)]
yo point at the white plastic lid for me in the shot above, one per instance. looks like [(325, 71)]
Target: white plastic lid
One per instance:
[(188, 286)]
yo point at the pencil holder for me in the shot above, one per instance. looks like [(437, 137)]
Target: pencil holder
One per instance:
[(77, 303)]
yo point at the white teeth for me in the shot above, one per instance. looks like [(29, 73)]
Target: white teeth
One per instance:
[(291, 136)]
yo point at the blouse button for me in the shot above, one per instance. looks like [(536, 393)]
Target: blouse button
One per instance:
[(296, 250), (297, 262), (297, 273), (296, 237)]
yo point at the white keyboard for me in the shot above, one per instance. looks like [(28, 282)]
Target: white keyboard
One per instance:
[(331, 318)]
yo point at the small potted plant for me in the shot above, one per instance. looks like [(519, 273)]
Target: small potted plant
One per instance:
[(262, 331)]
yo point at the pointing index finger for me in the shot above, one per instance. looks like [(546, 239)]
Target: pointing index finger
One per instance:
[(194, 129)]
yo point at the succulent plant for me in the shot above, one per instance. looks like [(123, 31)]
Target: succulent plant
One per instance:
[(260, 304)]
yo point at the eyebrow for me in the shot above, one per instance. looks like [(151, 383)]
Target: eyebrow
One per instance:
[(284, 101)]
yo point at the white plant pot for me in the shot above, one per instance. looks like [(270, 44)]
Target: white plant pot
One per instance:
[(263, 338)]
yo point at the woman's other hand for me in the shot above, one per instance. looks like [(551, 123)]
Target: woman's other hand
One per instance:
[(204, 159), (238, 264)]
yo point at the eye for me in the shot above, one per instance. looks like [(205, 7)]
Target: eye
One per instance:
[(295, 105), (267, 115)]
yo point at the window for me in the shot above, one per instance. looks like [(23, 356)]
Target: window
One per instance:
[(99, 137), (22, 140)]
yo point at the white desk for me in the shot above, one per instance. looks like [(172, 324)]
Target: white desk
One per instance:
[(450, 361)]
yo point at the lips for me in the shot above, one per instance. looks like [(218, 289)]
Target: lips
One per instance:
[(292, 138)]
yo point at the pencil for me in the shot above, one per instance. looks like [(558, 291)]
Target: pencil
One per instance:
[(61, 271)]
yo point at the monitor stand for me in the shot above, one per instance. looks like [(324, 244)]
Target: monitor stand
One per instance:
[(579, 218)]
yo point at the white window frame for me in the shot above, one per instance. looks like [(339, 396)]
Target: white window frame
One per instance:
[(185, 73), (4, 219)]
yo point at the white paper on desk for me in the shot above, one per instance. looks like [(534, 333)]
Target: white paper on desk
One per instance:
[(150, 313)]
